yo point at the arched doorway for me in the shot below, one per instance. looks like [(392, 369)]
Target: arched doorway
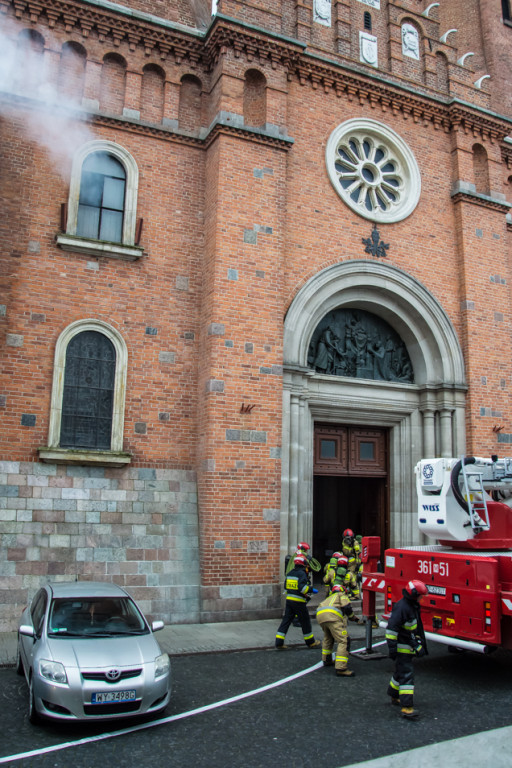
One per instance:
[(425, 417)]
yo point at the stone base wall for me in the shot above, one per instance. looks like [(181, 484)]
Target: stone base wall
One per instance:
[(137, 527), (238, 602)]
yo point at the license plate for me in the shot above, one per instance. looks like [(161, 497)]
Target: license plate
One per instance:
[(433, 590), (109, 696)]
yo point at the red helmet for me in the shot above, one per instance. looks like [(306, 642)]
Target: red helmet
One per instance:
[(416, 588), (343, 561), (300, 560), (336, 588), (337, 554), (348, 533), (303, 545)]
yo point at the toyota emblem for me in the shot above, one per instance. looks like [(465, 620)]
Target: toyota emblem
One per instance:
[(113, 674)]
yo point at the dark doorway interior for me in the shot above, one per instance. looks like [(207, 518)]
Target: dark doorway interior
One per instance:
[(359, 503)]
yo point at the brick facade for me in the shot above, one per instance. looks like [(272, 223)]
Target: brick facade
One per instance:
[(237, 226)]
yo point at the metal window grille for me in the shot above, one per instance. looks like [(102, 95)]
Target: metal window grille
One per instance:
[(88, 398), (368, 21)]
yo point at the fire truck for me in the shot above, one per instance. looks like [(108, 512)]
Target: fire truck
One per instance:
[(465, 505)]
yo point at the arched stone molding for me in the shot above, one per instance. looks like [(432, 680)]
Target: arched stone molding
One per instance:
[(424, 418)]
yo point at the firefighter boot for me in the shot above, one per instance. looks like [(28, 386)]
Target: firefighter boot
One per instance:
[(328, 662), (409, 713), (316, 644), (345, 673)]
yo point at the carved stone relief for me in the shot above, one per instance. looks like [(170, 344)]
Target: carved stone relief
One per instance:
[(322, 12), (352, 342)]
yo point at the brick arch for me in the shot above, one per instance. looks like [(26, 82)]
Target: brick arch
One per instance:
[(190, 104), (442, 75), (481, 169), (152, 93), (113, 83), (28, 68), (255, 98), (71, 78)]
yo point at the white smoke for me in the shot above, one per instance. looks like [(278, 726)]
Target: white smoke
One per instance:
[(50, 117)]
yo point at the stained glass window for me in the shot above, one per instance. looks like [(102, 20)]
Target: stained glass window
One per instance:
[(88, 397)]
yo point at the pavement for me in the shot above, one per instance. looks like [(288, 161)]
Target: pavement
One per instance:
[(187, 639)]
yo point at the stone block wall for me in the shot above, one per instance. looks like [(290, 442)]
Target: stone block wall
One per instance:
[(137, 527)]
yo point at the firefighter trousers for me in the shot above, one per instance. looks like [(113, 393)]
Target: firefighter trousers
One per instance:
[(335, 632), (299, 609), (401, 685)]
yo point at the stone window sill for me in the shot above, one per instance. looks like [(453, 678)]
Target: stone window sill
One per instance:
[(84, 456), (98, 247)]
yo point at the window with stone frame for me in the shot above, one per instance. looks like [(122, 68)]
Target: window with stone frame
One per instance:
[(88, 394), (100, 217)]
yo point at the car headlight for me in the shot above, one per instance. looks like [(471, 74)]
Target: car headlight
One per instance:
[(53, 671), (162, 665)]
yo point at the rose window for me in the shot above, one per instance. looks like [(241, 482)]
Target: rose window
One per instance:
[(373, 170)]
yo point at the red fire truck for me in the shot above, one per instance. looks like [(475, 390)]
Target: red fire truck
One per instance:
[(466, 506)]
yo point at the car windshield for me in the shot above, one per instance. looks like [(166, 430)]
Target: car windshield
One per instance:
[(100, 616)]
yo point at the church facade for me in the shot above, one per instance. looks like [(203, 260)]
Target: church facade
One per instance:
[(255, 265)]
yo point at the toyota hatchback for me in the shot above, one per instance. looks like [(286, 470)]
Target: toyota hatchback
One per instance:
[(88, 653)]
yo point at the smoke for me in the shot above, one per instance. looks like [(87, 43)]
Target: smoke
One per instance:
[(52, 118)]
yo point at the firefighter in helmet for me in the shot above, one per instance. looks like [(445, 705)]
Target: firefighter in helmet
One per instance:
[(332, 614), (330, 572), (298, 589), (406, 639), (351, 549)]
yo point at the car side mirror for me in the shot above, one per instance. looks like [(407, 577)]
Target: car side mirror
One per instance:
[(156, 625), (27, 630)]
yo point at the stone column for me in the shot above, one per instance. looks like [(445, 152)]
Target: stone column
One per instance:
[(429, 433), (446, 433)]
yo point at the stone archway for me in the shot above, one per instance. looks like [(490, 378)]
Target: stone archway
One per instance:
[(424, 418)]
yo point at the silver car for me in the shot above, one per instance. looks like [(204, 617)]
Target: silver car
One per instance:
[(88, 653)]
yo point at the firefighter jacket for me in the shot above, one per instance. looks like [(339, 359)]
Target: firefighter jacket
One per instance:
[(297, 585), (330, 572), (336, 606), (404, 633), (342, 578), (352, 550)]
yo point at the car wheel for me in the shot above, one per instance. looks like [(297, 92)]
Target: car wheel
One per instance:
[(19, 663), (32, 712)]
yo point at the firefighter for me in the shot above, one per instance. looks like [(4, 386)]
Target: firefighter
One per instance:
[(343, 576), (351, 549), (406, 639), (332, 614), (330, 572), (298, 590)]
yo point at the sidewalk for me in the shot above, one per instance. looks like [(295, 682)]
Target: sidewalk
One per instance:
[(184, 639)]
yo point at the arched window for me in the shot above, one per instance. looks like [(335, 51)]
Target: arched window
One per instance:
[(88, 396), (102, 205), (367, 21), (152, 94), (481, 170), (101, 202), (88, 393), (255, 98), (189, 110)]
